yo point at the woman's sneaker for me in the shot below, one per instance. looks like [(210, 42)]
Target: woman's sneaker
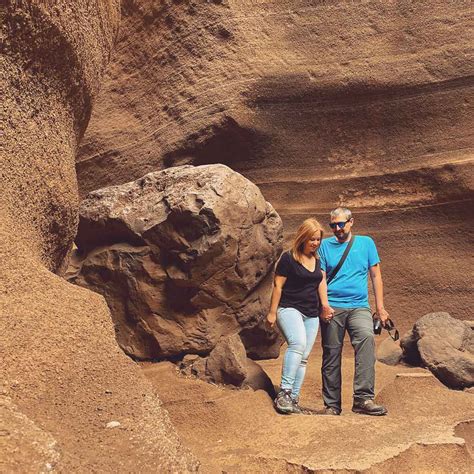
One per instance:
[(283, 402), (296, 407)]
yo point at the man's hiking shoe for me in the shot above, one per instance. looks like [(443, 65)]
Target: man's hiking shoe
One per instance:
[(330, 411), (283, 402), (368, 407)]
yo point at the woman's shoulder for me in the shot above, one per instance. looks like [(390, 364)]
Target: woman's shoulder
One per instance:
[(286, 256)]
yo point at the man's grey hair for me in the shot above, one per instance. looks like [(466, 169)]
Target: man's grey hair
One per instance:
[(341, 211)]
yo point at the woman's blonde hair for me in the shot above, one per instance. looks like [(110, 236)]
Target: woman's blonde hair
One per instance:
[(303, 234)]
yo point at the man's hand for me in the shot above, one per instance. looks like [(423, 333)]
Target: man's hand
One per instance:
[(327, 313), (383, 315), (271, 319)]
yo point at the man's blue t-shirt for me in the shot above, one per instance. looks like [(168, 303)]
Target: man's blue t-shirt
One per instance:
[(349, 288)]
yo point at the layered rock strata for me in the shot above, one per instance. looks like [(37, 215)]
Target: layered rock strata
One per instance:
[(183, 257), (63, 376), (367, 104)]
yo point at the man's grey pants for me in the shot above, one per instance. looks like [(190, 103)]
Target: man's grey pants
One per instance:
[(359, 325)]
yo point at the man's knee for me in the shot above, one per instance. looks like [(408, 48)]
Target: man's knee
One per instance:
[(331, 356), (332, 349), (364, 338)]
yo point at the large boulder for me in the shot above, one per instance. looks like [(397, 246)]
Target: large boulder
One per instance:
[(183, 257), (446, 346)]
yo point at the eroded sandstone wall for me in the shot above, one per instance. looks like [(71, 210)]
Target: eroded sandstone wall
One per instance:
[(320, 103), (62, 375)]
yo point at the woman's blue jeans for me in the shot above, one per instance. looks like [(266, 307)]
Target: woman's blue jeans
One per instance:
[(300, 333)]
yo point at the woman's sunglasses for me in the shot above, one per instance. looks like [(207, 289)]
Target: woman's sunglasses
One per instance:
[(341, 225)]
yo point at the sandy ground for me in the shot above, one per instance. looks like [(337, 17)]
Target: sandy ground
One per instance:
[(427, 429)]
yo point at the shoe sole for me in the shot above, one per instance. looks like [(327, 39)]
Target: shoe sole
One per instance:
[(373, 413), (284, 411)]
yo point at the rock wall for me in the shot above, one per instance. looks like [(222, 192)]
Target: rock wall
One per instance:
[(62, 376), (366, 104)]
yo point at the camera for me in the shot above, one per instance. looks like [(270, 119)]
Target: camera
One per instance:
[(377, 326)]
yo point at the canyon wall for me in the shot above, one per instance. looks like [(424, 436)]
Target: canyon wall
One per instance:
[(63, 378), (320, 103)]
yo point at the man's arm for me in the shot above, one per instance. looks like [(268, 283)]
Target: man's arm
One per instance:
[(377, 283)]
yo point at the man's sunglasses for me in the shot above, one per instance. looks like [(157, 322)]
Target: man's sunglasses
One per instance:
[(341, 225)]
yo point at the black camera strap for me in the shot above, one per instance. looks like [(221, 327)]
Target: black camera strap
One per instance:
[(331, 276)]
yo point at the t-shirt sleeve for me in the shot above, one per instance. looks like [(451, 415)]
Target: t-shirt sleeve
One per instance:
[(322, 257), (283, 265), (373, 254)]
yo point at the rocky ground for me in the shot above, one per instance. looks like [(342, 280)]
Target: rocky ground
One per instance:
[(430, 428)]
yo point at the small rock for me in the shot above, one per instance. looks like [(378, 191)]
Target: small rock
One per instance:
[(227, 362), (199, 368), (108, 392), (257, 378), (389, 352), (409, 346), (188, 360), (112, 424)]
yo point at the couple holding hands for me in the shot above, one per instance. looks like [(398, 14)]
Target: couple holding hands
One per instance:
[(325, 281)]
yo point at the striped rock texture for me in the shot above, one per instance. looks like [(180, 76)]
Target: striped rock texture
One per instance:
[(365, 104)]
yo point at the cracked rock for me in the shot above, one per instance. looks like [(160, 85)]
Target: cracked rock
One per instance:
[(183, 257)]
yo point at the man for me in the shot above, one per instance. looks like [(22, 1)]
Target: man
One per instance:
[(348, 296)]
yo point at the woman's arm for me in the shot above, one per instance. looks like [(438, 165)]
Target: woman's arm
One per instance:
[(278, 283), (327, 312)]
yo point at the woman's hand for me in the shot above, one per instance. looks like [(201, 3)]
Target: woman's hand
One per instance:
[(327, 313), (271, 318)]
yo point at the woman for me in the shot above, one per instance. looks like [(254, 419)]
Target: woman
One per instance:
[(299, 297)]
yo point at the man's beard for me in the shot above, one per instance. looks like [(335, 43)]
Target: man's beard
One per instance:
[(342, 236)]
